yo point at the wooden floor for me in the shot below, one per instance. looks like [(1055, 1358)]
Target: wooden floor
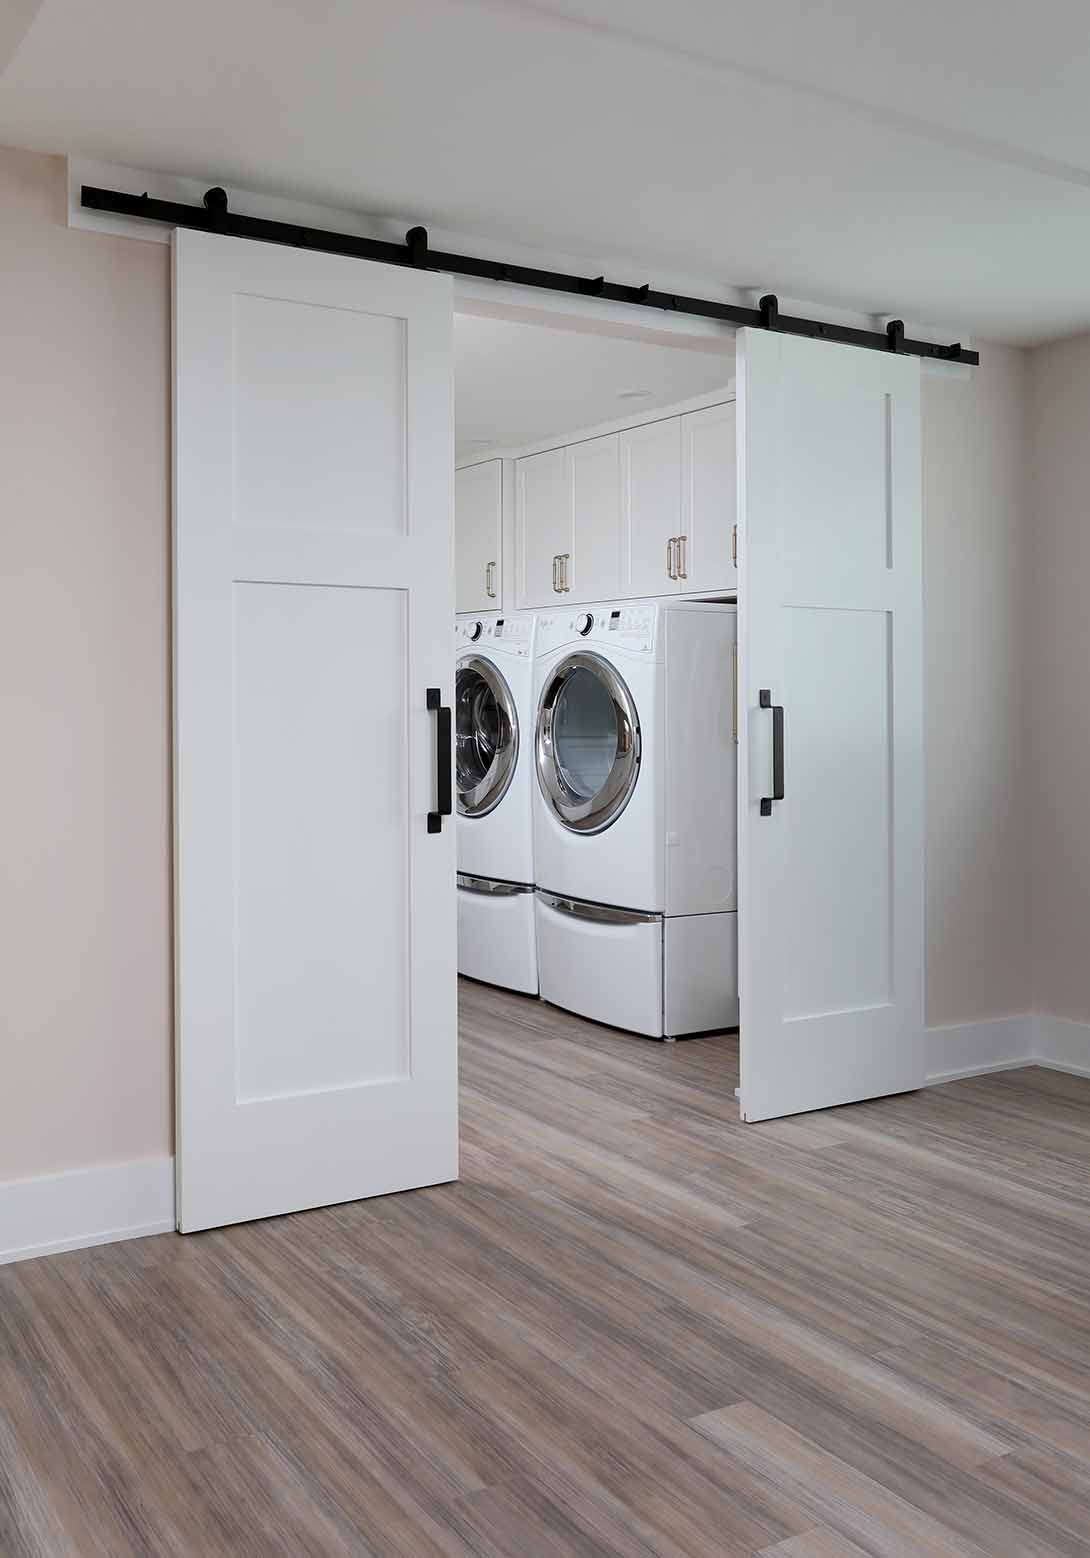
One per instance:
[(634, 1327)]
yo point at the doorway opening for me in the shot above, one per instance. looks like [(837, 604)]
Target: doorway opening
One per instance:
[(596, 568)]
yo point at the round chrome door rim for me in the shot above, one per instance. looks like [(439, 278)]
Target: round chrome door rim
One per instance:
[(490, 790), (601, 810)]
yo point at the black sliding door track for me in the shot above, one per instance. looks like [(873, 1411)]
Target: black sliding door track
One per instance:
[(214, 217)]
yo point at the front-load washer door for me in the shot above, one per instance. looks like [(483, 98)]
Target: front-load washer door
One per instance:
[(588, 743), (486, 735)]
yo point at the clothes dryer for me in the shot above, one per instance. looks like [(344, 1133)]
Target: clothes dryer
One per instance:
[(635, 843)]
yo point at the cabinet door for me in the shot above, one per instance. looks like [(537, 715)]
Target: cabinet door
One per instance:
[(650, 507), (543, 526), (478, 534), (708, 500), (594, 481)]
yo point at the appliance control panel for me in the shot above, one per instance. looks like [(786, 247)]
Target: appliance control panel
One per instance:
[(631, 627), (514, 633)]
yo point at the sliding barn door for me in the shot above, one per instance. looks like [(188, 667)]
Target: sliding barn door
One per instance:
[(313, 598), (831, 753)]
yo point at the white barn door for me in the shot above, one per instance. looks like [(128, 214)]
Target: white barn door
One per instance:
[(313, 599), (831, 745)]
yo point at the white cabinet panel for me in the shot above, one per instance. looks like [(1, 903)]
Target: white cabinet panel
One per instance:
[(478, 536), (543, 527), (651, 507), (594, 481), (708, 500)]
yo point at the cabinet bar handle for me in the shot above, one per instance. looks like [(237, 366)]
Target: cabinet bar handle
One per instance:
[(681, 573), (443, 788), (734, 545), (670, 545), (565, 559), (556, 571), (764, 698), (489, 580)]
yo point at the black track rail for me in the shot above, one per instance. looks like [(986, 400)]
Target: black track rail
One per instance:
[(215, 217)]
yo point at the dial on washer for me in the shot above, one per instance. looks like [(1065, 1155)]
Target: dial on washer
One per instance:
[(584, 623)]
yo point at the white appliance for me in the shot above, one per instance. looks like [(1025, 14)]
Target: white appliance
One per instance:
[(635, 842), (494, 721)]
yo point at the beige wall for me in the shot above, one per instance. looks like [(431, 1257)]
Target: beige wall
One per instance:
[(1058, 614), (84, 688), (975, 683), (84, 773)]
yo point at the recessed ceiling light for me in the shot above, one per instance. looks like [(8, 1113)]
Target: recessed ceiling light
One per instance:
[(481, 443), (637, 394)]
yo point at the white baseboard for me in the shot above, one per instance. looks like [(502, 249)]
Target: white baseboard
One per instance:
[(971, 1049), (1062, 1044), (55, 1212)]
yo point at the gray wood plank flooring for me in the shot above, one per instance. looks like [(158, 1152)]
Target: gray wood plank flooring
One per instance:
[(635, 1327)]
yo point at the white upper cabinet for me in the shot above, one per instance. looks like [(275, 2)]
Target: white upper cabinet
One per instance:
[(709, 501), (594, 484), (544, 540), (647, 511), (478, 536), (651, 508)]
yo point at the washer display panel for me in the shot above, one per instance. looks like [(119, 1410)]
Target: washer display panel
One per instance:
[(588, 743), (486, 736)]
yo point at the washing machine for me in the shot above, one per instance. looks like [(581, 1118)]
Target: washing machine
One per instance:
[(635, 826), (493, 725)]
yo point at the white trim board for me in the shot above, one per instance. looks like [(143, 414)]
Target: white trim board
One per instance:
[(1062, 1044), (98, 1205), (970, 1049)]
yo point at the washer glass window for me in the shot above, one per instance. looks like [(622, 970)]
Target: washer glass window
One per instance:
[(588, 743), (486, 736)]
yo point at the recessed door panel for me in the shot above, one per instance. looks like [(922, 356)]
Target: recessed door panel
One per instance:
[(319, 414), (838, 824), (322, 830)]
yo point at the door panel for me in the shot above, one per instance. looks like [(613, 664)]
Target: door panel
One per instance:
[(319, 432), (478, 534), (304, 841), (594, 475), (315, 914), (543, 526), (651, 496), (830, 626), (709, 499)]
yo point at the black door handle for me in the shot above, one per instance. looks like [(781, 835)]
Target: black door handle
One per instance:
[(443, 798), (765, 699)]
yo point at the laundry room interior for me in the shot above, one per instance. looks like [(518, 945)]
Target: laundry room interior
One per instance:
[(596, 711), (545, 1009)]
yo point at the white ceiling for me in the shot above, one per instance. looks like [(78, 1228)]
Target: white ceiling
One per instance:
[(518, 384), (930, 159)]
